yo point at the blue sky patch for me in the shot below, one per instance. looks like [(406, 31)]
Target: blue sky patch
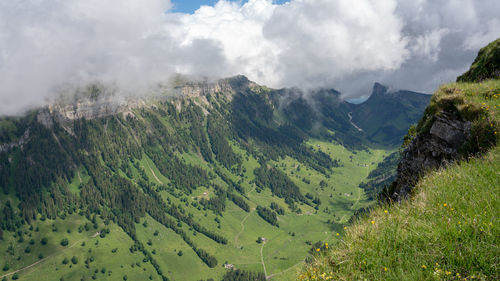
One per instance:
[(190, 6)]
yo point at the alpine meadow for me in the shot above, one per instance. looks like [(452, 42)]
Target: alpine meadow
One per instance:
[(249, 140)]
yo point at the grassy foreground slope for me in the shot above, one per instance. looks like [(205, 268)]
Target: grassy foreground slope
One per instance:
[(448, 230)]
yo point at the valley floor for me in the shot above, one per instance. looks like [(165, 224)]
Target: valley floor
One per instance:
[(281, 256)]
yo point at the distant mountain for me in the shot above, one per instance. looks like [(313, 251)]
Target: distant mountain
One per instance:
[(386, 115)]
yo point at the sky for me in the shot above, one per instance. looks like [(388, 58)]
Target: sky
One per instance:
[(190, 6), (48, 47)]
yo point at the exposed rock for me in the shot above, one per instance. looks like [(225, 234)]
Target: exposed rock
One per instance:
[(106, 103), (43, 117), (430, 151), (204, 88), (4, 147)]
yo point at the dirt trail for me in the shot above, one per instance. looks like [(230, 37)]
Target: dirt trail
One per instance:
[(262, 258), (153, 172), (42, 260), (24, 268), (281, 272), (242, 222)]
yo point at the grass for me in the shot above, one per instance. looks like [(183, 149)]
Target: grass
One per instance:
[(166, 253), (282, 255), (81, 245), (485, 66), (449, 229), (475, 102), (81, 177)]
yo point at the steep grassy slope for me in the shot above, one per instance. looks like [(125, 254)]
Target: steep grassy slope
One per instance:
[(486, 65), (449, 229)]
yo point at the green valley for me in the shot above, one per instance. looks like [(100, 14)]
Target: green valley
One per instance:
[(181, 188)]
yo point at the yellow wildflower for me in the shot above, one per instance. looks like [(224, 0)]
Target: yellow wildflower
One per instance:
[(385, 211), (385, 268), (445, 204), (373, 222), (317, 250), (424, 266)]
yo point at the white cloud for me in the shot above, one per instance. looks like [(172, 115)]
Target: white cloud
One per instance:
[(483, 37), (238, 32), (321, 41), (307, 43), (302, 43), (428, 45)]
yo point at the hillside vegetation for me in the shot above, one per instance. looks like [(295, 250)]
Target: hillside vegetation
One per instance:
[(175, 188), (449, 229), (486, 65)]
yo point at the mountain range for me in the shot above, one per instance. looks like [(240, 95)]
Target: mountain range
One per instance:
[(190, 181)]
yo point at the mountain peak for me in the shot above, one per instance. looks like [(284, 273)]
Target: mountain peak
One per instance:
[(379, 89)]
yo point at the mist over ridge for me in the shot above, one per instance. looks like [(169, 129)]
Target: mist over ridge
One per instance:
[(48, 45)]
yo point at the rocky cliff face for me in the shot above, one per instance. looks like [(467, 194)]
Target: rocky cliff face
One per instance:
[(454, 125), (428, 151), (85, 108), (90, 105)]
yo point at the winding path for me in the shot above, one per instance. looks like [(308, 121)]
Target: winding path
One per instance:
[(153, 172), (242, 222), (262, 258), (42, 260), (24, 268), (352, 123), (281, 272)]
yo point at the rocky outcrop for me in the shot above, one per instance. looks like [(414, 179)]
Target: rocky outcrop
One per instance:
[(106, 102), (431, 150), (197, 89), (454, 126), (5, 147)]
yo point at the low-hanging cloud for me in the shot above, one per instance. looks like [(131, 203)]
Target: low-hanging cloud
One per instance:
[(46, 44)]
